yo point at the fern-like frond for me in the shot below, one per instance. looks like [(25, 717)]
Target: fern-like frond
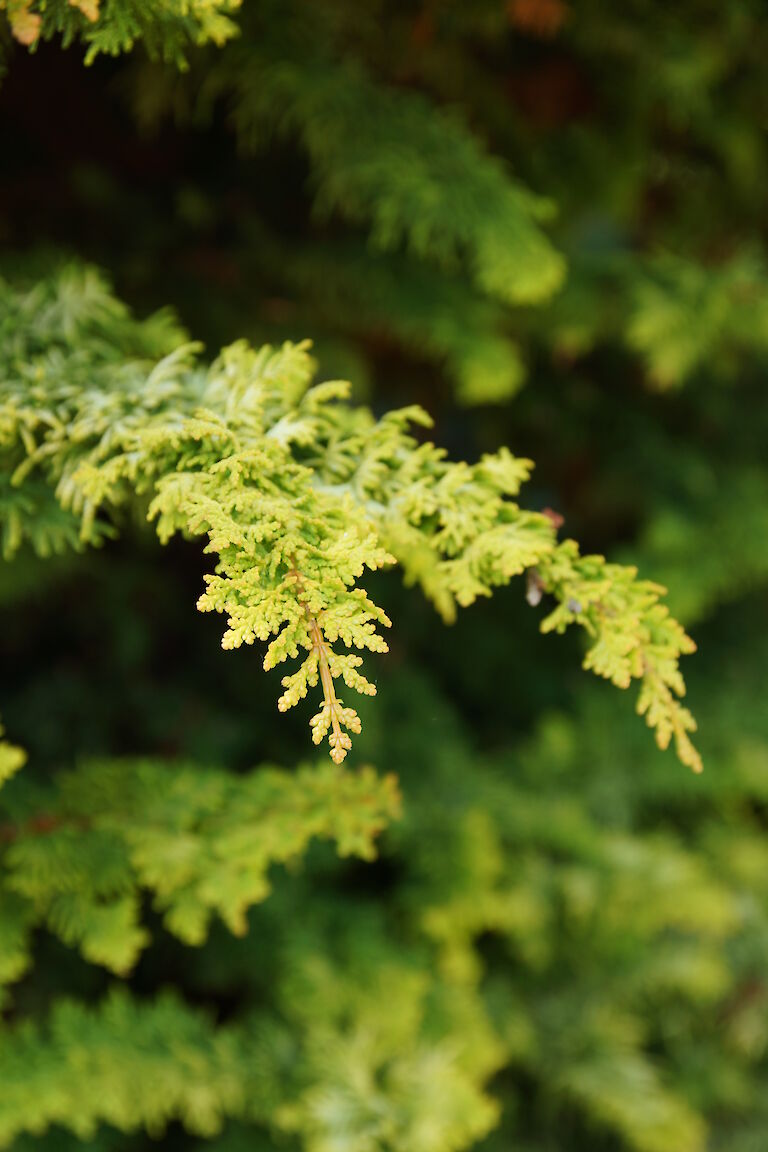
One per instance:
[(298, 493), (202, 842)]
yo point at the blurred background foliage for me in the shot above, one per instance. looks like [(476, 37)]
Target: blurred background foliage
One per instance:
[(546, 222)]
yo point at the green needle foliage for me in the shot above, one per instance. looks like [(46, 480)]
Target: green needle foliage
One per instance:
[(298, 493), (202, 842)]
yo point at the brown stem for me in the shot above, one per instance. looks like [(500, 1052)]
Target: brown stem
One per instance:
[(329, 692), (321, 648)]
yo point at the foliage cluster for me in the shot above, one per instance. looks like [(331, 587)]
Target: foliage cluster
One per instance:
[(297, 493), (524, 928)]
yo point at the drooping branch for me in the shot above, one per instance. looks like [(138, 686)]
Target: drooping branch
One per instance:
[(298, 492)]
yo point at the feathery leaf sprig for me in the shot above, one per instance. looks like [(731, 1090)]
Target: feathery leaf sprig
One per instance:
[(298, 493)]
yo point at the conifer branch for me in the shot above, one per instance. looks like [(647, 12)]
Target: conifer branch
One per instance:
[(201, 841), (167, 28), (297, 492)]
